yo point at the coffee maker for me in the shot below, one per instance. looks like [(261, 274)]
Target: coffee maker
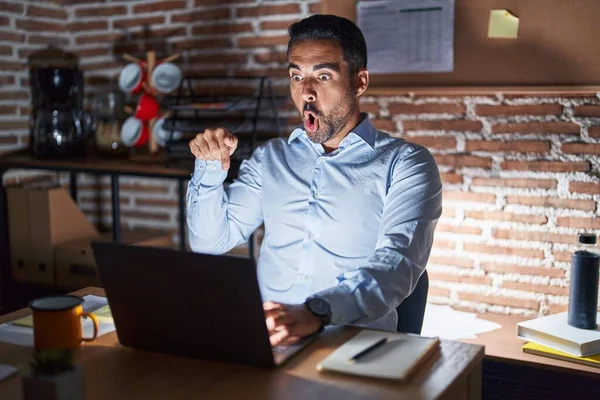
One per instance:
[(58, 124)]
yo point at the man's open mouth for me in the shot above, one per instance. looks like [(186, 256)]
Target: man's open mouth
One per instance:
[(311, 122)]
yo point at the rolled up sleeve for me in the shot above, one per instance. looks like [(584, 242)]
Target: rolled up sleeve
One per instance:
[(219, 219)]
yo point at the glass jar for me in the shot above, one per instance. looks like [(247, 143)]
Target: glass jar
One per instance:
[(58, 133), (109, 115)]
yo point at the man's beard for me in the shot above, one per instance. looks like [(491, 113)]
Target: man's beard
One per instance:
[(332, 124)]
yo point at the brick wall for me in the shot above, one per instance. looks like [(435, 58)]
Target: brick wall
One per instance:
[(521, 172), (520, 180)]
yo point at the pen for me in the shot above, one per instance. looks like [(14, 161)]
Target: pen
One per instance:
[(369, 349)]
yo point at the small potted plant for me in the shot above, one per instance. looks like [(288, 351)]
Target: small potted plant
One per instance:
[(53, 377)]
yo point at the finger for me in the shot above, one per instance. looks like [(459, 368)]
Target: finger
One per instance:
[(203, 146), (228, 144), (270, 321), (272, 327), (213, 145), (292, 328), (278, 337), (274, 312), (231, 142), (225, 162), (290, 339), (271, 305), (195, 150), (283, 319)]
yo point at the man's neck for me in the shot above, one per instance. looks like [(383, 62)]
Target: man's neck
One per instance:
[(333, 143)]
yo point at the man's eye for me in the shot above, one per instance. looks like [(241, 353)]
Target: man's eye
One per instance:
[(324, 77), (296, 78)]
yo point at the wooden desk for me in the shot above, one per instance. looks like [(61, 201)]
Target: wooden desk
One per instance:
[(504, 346), (510, 374), (115, 372)]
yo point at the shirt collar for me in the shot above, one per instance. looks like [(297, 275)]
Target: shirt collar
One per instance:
[(295, 133), (365, 131)]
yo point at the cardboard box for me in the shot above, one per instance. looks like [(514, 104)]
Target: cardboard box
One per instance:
[(39, 217), (74, 259), (18, 232), (53, 218)]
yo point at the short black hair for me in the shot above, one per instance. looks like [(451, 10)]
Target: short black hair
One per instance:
[(332, 27)]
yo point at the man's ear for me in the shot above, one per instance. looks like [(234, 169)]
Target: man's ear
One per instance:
[(362, 81)]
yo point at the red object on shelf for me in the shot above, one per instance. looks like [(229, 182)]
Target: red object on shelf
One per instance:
[(147, 107)]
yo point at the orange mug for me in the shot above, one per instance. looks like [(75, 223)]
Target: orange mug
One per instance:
[(57, 322)]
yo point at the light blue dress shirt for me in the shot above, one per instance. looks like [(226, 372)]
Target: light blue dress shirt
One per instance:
[(353, 227)]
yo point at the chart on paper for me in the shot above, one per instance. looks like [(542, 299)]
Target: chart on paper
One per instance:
[(408, 35)]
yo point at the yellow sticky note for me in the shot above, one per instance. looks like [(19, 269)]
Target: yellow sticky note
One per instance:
[(503, 25)]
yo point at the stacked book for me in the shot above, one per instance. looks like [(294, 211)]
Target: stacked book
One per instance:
[(552, 336)]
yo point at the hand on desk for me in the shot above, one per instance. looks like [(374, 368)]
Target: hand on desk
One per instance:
[(288, 323)]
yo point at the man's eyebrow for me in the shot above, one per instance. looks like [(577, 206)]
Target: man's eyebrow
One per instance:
[(331, 66), (316, 67)]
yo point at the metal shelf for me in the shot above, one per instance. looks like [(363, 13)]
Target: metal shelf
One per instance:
[(250, 117)]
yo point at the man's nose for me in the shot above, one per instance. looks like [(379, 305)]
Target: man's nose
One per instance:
[(309, 94)]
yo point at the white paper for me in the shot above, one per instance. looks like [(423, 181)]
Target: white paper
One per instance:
[(6, 371), (23, 336), (92, 303), (18, 335), (408, 35), (447, 323)]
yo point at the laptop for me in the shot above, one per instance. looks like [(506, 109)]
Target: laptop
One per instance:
[(188, 304)]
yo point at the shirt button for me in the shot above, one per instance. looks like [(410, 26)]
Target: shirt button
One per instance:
[(311, 235), (316, 196), (304, 277)]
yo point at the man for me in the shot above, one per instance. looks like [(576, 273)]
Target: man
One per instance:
[(349, 212)]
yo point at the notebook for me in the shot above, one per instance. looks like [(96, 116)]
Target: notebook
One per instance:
[(398, 359), (554, 331), (538, 349)]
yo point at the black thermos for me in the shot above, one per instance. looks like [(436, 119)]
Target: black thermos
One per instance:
[(583, 292)]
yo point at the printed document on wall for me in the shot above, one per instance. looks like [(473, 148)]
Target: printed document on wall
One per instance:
[(408, 35)]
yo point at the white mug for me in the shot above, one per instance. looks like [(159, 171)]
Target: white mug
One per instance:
[(161, 135), (166, 77), (134, 132), (131, 78)]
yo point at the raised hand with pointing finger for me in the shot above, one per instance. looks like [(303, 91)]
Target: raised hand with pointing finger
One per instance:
[(214, 145)]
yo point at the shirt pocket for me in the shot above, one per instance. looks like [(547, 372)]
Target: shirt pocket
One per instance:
[(351, 223)]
